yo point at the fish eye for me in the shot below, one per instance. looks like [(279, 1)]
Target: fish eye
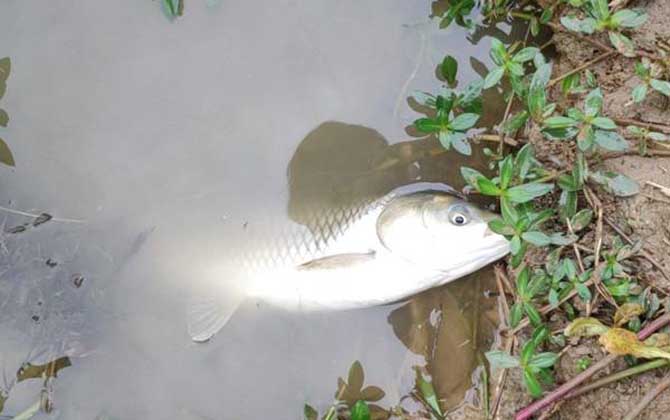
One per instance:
[(458, 218)]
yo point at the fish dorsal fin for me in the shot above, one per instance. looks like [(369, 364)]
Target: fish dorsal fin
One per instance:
[(333, 262)]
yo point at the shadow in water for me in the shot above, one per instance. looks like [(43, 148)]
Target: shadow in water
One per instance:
[(339, 165)]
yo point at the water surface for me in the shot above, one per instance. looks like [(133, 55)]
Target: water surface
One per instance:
[(163, 138)]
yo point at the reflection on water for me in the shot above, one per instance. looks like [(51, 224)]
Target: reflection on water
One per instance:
[(166, 136)]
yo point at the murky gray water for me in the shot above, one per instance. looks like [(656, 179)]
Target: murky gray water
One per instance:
[(162, 135)]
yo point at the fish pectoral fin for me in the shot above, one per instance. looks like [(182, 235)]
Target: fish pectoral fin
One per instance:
[(332, 262), (207, 315)]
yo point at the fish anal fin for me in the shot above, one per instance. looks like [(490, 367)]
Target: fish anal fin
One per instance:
[(332, 262), (207, 315)]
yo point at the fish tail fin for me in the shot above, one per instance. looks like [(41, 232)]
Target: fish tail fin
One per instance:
[(206, 315)]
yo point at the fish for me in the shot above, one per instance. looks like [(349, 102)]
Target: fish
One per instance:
[(414, 238)]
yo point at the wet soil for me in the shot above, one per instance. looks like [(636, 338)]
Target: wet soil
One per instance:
[(645, 217)]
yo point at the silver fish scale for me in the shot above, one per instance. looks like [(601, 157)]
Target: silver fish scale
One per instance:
[(276, 247)]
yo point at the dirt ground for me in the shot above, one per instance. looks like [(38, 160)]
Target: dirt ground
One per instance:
[(645, 216)]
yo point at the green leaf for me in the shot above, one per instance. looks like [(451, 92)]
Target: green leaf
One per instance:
[(610, 140), (487, 187), (617, 184), (310, 413), (660, 86), (427, 392), (515, 314), (460, 143), (599, 9), (568, 204), (604, 123), (559, 122), (515, 245), (559, 133), (525, 54), (527, 192), (553, 298), (586, 26), (517, 121), (583, 292), (169, 5), (444, 104), (501, 360), (658, 136), (471, 176), (4, 118), (546, 15), (500, 227), (533, 315), (536, 238), (6, 156), (516, 69), (629, 18), (360, 411), (581, 220), (639, 93), (448, 68), (593, 102), (498, 51), (444, 136), (532, 384), (642, 70), (543, 360), (5, 68), (464, 121), (524, 160), (622, 43), (493, 77), (427, 125), (424, 98), (509, 212), (506, 172)]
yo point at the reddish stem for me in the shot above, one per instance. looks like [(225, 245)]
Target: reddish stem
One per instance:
[(564, 389)]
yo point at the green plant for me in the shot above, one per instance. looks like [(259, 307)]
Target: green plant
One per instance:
[(588, 125), (507, 62), (644, 136), (600, 18), (458, 11), (535, 366), (526, 290), (449, 128), (649, 73)]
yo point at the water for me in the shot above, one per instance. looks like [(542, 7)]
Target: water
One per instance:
[(159, 136)]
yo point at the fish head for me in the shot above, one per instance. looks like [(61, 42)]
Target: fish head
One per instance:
[(440, 231)]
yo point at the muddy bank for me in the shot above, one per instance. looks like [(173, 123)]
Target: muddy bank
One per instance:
[(644, 217)]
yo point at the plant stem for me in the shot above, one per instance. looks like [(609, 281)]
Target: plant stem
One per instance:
[(617, 376), (582, 67), (648, 398), (565, 389), (664, 128)]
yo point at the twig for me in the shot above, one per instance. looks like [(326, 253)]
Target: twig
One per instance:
[(502, 377), (597, 206), (501, 290), (617, 376), (584, 66), (564, 389), (664, 128), (496, 138), (35, 216), (648, 398), (502, 135), (664, 190)]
